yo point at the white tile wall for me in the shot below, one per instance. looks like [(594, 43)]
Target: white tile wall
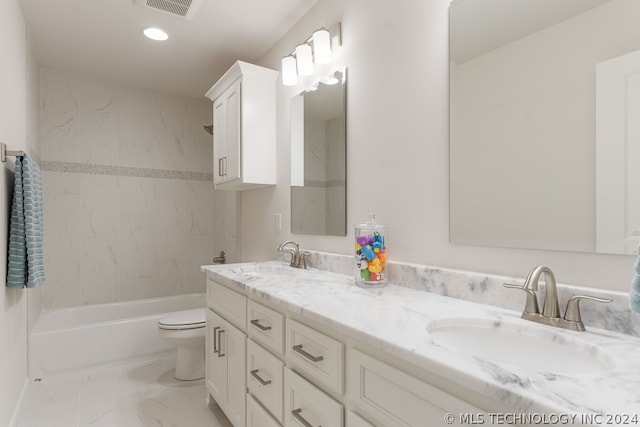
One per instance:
[(129, 200)]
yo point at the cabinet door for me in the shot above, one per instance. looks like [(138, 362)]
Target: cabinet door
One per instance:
[(264, 378), (396, 399), (305, 403), (234, 345), (220, 144), (234, 136), (216, 367), (257, 416)]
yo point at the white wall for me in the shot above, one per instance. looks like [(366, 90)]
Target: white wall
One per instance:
[(19, 130), (397, 137), (128, 191)]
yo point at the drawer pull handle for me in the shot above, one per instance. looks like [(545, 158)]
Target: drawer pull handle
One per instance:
[(220, 353), (298, 349), (215, 340), (297, 416), (256, 323), (254, 374)]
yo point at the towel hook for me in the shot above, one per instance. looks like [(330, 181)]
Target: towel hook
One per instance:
[(4, 152)]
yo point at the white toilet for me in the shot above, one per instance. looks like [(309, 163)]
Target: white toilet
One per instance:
[(186, 330)]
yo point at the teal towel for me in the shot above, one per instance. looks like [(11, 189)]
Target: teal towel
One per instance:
[(634, 295), (26, 263)]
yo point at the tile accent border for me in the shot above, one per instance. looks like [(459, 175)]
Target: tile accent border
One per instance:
[(93, 169)]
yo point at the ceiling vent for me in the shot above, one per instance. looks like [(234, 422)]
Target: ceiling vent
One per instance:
[(182, 8)]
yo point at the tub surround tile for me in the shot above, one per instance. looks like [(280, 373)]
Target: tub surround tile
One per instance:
[(127, 176), (394, 320), (136, 289), (171, 276), (136, 249), (99, 271), (100, 208), (64, 288), (62, 200)]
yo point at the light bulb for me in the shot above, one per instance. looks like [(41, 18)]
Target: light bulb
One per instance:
[(155, 34), (322, 46), (289, 74), (304, 59)]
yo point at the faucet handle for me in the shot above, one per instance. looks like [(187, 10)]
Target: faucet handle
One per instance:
[(303, 258), (531, 304), (572, 314)]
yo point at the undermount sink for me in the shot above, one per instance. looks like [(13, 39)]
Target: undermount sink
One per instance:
[(266, 269), (520, 345)]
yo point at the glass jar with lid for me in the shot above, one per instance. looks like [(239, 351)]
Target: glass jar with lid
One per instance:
[(371, 253)]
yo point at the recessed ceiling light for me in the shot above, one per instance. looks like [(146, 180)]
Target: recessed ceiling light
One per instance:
[(155, 34)]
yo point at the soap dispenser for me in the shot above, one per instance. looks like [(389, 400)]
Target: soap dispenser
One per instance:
[(371, 253)]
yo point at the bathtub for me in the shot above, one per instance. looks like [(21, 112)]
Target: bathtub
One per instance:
[(79, 338)]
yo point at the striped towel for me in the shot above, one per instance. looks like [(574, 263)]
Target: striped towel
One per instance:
[(26, 263)]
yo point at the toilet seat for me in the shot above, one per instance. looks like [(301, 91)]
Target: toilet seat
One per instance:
[(182, 320)]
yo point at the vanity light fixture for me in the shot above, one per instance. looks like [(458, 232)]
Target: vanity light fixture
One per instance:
[(155, 33), (300, 61)]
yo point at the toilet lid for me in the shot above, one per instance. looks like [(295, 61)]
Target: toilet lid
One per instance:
[(187, 319)]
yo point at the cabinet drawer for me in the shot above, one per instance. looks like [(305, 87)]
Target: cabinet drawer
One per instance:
[(229, 304), (396, 399), (315, 353), (266, 326), (304, 401), (354, 420), (264, 378), (257, 416)]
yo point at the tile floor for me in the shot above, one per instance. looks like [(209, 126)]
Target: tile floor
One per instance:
[(142, 394)]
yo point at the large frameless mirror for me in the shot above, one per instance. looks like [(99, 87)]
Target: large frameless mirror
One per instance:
[(318, 159), (545, 124)]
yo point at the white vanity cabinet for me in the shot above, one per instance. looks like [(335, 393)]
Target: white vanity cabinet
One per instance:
[(291, 372), (225, 348), (244, 127)]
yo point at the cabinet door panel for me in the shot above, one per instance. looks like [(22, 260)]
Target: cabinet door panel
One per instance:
[(220, 146), (266, 325), (257, 416), (264, 378), (304, 401), (395, 398), (216, 367), (234, 347), (232, 162), (354, 420), (315, 353)]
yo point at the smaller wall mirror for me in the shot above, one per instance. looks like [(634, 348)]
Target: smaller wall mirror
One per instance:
[(318, 159)]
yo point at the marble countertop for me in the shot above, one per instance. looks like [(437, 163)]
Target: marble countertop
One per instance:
[(396, 319)]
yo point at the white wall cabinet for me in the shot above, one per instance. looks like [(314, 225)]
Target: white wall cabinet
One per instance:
[(258, 383), (244, 127)]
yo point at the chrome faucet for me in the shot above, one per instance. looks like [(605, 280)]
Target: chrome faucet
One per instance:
[(550, 310), (298, 256)]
